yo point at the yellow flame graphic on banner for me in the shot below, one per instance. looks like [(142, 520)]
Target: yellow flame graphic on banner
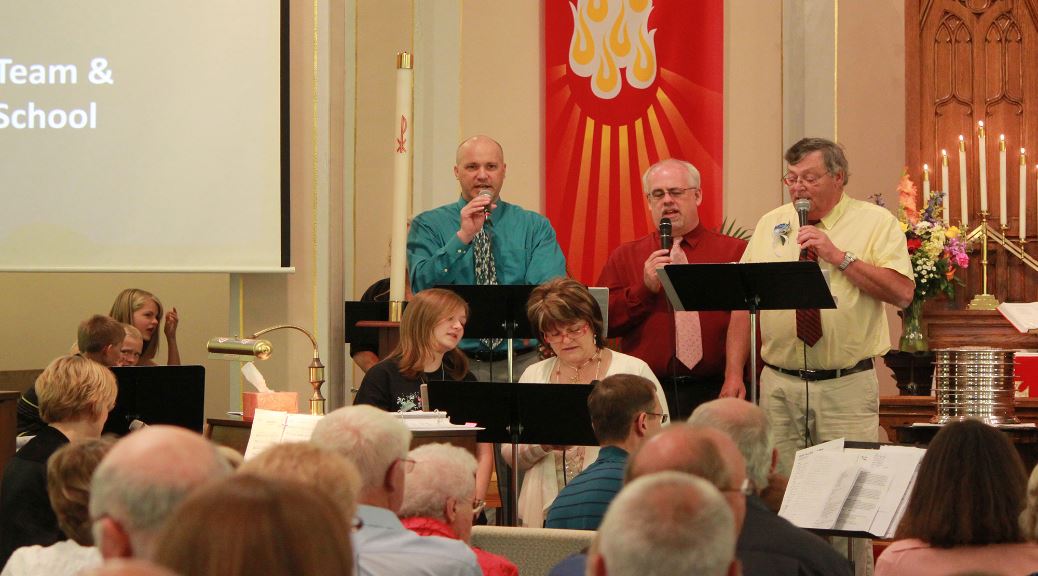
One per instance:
[(619, 40), (601, 45)]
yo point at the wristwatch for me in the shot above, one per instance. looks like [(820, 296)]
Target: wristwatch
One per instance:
[(848, 259)]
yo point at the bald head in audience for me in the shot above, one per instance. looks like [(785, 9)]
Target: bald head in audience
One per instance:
[(666, 523), (748, 427), (141, 480), (704, 452)]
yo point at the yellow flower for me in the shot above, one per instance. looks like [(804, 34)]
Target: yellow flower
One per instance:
[(952, 232), (904, 226)]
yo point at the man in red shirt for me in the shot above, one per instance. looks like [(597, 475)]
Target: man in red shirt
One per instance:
[(639, 311)]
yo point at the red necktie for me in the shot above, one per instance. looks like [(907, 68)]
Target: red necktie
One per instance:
[(809, 321)]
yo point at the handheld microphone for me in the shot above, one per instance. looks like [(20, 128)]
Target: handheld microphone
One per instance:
[(666, 239), (802, 206), (489, 194)]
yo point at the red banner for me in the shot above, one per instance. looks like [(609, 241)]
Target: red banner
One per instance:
[(627, 83)]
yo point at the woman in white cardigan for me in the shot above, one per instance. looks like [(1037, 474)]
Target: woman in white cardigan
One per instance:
[(569, 323)]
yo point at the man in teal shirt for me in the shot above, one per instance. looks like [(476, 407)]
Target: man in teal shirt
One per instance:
[(481, 239)]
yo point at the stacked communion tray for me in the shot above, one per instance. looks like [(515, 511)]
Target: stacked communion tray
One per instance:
[(974, 382)]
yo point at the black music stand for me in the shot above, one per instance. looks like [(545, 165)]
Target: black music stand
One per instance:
[(496, 311), (172, 395), (751, 286), (514, 413)]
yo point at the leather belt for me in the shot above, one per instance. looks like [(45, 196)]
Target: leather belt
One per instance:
[(816, 375), (495, 355)]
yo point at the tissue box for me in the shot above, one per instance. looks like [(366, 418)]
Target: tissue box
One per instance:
[(280, 401)]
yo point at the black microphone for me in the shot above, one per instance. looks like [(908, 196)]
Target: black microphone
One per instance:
[(489, 194), (666, 240), (802, 206)]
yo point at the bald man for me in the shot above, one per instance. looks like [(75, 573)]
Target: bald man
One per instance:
[(481, 239), (768, 545), (142, 480)]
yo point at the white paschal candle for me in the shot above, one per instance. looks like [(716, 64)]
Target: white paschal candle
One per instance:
[(945, 202), (982, 144), (402, 146), (963, 189)]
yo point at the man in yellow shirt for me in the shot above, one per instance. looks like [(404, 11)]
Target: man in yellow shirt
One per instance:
[(829, 380)]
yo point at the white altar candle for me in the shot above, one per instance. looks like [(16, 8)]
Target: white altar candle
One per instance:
[(945, 202), (926, 184), (1002, 210), (963, 190), (1023, 194), (402, 147), (983, 167)]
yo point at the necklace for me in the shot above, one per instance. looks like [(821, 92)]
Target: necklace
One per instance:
[(597, 358)]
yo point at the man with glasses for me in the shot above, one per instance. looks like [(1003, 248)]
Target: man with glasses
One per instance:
[(862, 248), (822, 360), (768, 545), (377, 442), (624, 413), (686, 351), (440, 500)]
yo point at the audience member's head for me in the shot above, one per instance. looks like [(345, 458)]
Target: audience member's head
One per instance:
[(100, 338), (747, 425), (624, 411), (68, 485), (704, 452), (142, 310), (74, 389), (663, 524), (429, 327), (1029, 517), (132, 346), (315, 467), (144, 477), (377, 443), (246, 525), (442, 486), (969, 490)]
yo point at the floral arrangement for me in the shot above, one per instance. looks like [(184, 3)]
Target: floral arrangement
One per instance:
[(936, 251)]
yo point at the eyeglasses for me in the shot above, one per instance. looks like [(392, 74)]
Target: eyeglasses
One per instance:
[(675, 193), (664, 418), (571, 333), (408, 464), (807, 179), (746, 488)]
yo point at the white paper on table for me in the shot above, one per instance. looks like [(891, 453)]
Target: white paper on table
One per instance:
[(821, 480), (267, 428)]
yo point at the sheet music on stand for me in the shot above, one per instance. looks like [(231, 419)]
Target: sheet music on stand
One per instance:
[(855, 489)]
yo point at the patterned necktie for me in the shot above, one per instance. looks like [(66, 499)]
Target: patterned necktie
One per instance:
[(809, 321), (688, 335), (486, 271)]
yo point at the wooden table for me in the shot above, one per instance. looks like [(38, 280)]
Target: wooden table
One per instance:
[(895, 411)]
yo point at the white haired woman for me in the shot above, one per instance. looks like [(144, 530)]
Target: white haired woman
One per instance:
[(440, 500)]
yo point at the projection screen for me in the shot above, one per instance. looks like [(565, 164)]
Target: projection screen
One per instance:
[(144, 135)]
